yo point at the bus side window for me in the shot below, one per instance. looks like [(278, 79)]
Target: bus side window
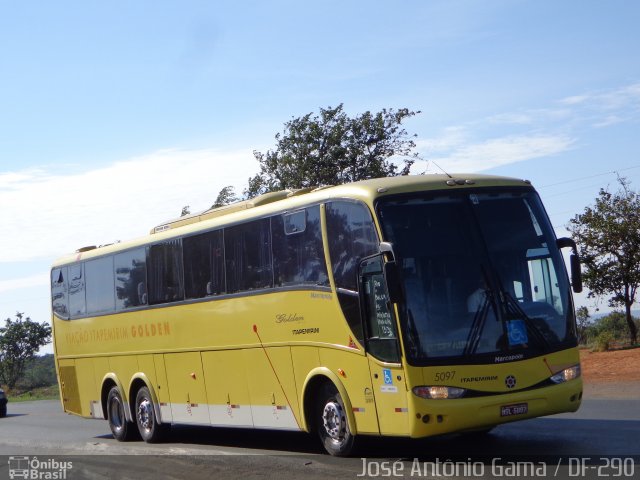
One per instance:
[(77, 300), (247, 250), (382, 337), (59, 293), (298, 254), (203, 265), (131, 279), (100, 285), (352, 236), (165, 272)]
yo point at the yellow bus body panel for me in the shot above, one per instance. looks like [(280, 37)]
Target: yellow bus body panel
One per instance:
[(248, 359)]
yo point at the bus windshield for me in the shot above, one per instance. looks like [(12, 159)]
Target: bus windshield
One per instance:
[(482, 277)]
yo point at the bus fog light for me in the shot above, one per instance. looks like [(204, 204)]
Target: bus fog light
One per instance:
[(566, 374), (438, 392)]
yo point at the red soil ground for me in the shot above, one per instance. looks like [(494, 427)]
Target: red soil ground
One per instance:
[(614, 374)]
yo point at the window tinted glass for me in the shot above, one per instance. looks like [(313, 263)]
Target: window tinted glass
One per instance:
[(131, 279), (248, 256), (298, 256), (77, 304), (352, 236), (100, 285), (59, 284), (295, 222), (382, 336), (165, 272), (204, 265), (490, 282)]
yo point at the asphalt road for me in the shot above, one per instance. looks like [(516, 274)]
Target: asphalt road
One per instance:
[(601, 428)]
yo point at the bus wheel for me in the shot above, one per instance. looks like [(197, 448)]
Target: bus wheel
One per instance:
[(150, 430), (332, 424), (121, 429)]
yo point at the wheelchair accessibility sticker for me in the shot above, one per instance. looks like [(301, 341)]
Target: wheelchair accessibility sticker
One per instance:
[(517, 332), (388, 386)]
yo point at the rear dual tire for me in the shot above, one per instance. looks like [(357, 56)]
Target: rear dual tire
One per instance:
[(150, 430), (121, 429), (146, 423)]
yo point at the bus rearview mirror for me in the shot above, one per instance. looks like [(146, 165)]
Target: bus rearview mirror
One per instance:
[(392, 277)]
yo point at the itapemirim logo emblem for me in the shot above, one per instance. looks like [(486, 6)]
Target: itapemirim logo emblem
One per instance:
[(33, 468), (510, 381)]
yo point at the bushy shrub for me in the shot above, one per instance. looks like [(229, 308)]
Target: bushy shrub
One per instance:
[(603, 341), (614, 325)]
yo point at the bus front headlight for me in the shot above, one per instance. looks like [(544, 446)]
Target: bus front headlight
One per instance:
[(438, 392), (567, 374)]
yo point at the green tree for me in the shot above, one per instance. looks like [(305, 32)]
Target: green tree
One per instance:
[(608, 234), (615, 325), (332, 148), (40, 371), (20, 340), (583, 319), (226, 196)]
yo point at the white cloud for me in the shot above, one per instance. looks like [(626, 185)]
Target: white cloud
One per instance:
[(575, 100), (510, 137), (511, 119), (47, 214), (615, 99), (502, 151), (26, 282), (608, 121), (451, 137)]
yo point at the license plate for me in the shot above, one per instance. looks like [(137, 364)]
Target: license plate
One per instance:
[(516, 409)]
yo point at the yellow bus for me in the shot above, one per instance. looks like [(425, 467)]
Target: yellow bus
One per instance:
[(406, 306)]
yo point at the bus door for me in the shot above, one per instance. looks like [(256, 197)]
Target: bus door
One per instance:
[(383, 349)]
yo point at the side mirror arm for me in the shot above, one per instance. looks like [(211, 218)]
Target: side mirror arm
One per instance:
[(574, 260)]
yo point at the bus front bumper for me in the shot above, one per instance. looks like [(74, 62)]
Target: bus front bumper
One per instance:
[(435, 417)]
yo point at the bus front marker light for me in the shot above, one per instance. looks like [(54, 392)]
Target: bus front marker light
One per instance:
[(438, 392), (567, 374)]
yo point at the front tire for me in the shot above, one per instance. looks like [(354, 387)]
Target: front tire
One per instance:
[(332, 423), (150, 430), (122, 429)]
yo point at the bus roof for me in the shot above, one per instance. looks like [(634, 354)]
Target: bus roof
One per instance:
[(289, 200)]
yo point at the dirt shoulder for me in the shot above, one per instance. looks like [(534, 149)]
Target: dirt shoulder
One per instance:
[(614, 374)]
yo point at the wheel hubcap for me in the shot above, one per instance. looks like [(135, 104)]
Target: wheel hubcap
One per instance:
[(145, 414), (334, 420)]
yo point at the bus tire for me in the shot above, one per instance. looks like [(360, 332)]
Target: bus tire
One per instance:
[(150, 429), (122, 429), (332, 424)]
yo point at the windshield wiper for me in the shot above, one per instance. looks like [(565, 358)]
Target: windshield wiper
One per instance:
[(479, 320)]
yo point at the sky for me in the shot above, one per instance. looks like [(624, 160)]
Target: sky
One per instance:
[(114, 115)]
